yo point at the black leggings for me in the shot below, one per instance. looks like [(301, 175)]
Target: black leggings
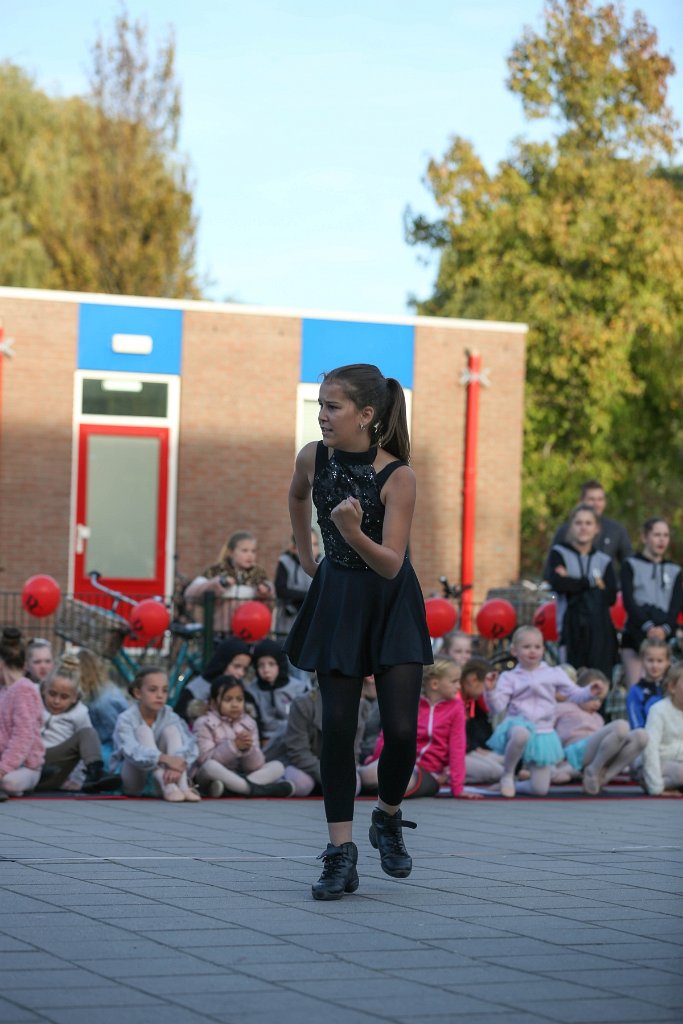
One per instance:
[(398, 695)]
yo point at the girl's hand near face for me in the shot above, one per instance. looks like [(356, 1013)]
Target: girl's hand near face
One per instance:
[(347, 516), (490, 680), (598, 689), (244, 741)]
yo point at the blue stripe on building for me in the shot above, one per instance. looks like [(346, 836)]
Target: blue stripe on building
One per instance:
[(97, 325), (329, 343)]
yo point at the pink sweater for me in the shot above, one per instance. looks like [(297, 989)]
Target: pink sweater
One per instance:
[(21, 719), (573, 723), (441, 740), (215, 736), (531, 695)]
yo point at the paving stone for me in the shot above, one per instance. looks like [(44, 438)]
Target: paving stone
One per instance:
[(520, 913)]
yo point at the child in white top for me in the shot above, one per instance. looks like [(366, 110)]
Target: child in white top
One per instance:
[(596, 750), (151, 738), (230, 758), (68, 734), (528, 694), (663, 757)]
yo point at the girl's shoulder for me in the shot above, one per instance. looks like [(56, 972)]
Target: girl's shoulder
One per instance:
[(25, 691)]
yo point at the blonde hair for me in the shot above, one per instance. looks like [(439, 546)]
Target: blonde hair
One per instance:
[(69, 668), (521, 630), (673, 674), (654, 644), (438, 670), (93, 673), (231, 543)]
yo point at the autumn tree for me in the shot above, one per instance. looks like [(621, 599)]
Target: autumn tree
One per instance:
[(95, 194), (581, 237)]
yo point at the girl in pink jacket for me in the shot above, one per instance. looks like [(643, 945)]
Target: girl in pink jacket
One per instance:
[(230, 759), (21, 716), (441, 740)]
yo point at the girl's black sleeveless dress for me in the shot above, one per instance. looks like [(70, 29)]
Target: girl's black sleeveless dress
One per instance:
[(353, 620)]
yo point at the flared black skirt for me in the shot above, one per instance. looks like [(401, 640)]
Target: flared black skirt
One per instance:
[(358, 623)]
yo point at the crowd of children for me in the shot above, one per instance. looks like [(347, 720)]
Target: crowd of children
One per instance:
[(249, 726)]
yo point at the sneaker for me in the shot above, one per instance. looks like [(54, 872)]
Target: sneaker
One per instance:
[(273, 789), (339, 874), (386, 836), (98, 781), (216, 789)]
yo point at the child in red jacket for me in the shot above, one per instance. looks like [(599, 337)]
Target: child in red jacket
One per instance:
[(441, 742)]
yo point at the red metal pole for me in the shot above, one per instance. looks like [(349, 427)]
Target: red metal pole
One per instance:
[(469, 489)]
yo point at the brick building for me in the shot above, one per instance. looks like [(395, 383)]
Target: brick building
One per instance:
[(135, 432)]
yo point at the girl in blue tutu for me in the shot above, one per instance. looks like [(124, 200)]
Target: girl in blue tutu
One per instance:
[(528, 696), (364, 612)]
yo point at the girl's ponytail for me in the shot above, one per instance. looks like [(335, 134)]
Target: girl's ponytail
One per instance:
[(392, 432)]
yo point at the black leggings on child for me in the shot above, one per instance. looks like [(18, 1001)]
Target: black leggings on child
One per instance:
[(398, 695)]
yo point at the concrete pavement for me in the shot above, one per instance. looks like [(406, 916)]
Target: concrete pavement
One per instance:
[(517, 912)]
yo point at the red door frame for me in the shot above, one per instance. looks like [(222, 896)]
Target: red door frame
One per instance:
[(135, 588)]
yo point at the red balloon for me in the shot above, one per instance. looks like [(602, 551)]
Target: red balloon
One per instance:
[(496, 618), (40, 596), (252, 621), (149, 618), (545, 619), (441, 616), (618, 612)]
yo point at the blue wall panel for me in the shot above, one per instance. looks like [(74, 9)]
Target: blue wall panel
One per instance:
[(97, 324), (329, 343)]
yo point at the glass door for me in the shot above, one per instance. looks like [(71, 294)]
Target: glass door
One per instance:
[(121, 506)]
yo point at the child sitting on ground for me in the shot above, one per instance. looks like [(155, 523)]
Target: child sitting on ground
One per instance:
[(68, 733), (655, 656), (482, 766), (527, 693), (663, 756), (596, 751), (230, 758), (150, 739), (273, 692), (231, 657), (304, 736), (104, 699), (440, 752), (21, 747), (458, 646)]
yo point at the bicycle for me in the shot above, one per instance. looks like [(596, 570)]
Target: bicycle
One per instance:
[(104, 631)]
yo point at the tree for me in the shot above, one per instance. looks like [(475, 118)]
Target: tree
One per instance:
[(582, 238), (100, 199)]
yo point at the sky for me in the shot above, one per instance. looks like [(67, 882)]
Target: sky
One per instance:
[(308, 126)]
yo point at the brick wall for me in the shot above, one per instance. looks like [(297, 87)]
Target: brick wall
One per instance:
[(36, 439), (438, 438), (237, 441), (237, 427)]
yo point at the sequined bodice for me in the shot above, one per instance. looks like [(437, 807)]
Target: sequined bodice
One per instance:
[(344, 475)]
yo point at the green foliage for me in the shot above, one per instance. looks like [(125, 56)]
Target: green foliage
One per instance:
[(582, 239), (93, 194)]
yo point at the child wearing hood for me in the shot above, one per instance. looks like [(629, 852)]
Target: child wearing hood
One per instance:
[(273, 692), (230, 658)]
